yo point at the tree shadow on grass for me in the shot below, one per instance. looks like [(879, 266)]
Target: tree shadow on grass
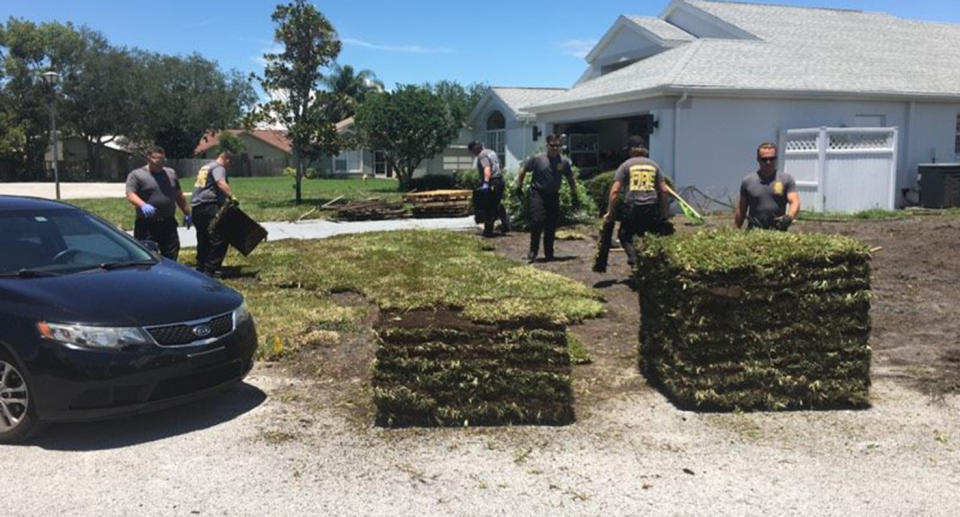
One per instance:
[(124, 432)]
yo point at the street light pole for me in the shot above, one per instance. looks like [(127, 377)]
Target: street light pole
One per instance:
[(52, 78)]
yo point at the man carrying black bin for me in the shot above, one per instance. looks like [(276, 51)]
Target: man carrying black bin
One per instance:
[(210, 192), (491, 188), (548, 170), (645, 200), (155, 192)]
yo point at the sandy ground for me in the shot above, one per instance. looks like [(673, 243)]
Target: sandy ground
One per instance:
[(297, 437)]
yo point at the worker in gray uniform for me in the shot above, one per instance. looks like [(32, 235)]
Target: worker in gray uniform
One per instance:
[(548, 170), (155, 193), (210, 192), (768, 198), (492, 185)]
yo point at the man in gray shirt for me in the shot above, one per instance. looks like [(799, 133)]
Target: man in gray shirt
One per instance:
[(210, 192), (765, 194), (548, 170), (153, 189), (491, 177), (645, 200)]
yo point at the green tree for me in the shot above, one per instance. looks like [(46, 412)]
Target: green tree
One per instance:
[(182, 98), (293, 76), (228, 141), (461, 99), (409, 125), (100, 96), (28, 49), (350, 88)]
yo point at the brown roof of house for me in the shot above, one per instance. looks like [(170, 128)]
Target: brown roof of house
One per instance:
[(275, 137)]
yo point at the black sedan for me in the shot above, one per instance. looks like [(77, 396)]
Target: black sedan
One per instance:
[(93, 324)]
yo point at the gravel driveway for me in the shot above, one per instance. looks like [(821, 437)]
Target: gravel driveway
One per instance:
[(265, 448)]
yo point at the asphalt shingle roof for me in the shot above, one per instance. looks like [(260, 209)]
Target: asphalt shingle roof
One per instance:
[(799, 49), (516, 97), (661, 29)]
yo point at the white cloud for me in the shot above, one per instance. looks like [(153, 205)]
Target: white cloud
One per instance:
[(578, 47), (411, 49)]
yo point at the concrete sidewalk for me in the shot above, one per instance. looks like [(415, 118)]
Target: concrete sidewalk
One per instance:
[(48, 190), (319, 229)]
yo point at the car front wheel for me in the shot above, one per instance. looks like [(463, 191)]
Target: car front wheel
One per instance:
[(18, 418)]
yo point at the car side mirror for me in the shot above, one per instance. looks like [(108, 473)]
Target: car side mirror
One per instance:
[(151, 245)]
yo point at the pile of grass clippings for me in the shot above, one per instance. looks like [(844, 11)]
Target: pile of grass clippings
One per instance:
[(756, 320), (435, 369)]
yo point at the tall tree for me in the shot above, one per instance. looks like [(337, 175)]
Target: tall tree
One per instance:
[(100, 96), (28, 49), (184, 97), (409, 125), (461, 99), (293, 76), (351, 88)]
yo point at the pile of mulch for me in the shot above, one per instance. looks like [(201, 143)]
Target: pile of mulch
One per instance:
[(370, 210), (440, 203), (756, 320), (437, 369)]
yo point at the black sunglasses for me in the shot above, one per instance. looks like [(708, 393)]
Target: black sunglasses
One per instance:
[(767, 160), (553, 145)]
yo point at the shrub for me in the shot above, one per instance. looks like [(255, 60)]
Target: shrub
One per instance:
[(598, 188), (517, 208)]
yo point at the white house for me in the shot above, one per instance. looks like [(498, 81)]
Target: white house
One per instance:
[(707, 81), (499, 121)]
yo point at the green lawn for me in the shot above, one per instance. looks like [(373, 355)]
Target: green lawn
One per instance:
[(403, 270), (263, 199)]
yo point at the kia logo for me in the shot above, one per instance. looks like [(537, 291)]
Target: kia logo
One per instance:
[(202, 330)]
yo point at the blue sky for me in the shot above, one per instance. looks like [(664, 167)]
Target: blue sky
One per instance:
[(515, 43)]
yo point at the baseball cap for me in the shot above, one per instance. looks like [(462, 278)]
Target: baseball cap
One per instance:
[(635, 142)]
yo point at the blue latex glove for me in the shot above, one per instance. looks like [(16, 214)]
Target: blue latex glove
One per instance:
[(148, 210), (485, 186), (187, 221)]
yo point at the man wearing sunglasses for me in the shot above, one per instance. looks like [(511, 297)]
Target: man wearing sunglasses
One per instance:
[(548, 170), (768, 198)]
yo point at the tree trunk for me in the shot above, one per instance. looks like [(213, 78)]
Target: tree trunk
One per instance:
[(299, 177)]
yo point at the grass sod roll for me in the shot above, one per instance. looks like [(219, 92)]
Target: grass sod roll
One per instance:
[(756, 320), (441, 369)]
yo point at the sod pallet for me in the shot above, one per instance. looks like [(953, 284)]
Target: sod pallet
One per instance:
[(756, 320), (439, 203), (370, 210), (436, 369)]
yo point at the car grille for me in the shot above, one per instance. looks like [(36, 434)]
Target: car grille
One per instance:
[(183, 333)]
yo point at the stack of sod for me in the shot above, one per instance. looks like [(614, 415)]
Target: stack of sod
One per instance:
[(441, 370), (756, 320)]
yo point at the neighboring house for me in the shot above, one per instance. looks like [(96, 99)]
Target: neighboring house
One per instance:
[(707, 81), (116, 158), (372, 163), (499, 121), (266, 151)]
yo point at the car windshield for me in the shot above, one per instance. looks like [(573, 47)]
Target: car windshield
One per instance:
[(62, 241)]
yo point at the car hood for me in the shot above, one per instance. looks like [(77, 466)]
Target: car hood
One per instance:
[(145, 295)]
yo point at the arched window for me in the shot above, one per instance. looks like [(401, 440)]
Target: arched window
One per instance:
[(496, 135)]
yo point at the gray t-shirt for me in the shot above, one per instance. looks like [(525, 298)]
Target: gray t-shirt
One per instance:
[(160, 189), (640, 176), (205, 189), (766, 197), (488, 158), (548, 173)]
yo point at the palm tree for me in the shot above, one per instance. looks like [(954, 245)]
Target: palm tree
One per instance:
[(351, 87)]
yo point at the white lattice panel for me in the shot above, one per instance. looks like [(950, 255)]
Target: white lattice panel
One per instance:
[(860, 141), (801, 142)]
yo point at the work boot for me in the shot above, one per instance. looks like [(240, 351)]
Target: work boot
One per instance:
[(531, 257)]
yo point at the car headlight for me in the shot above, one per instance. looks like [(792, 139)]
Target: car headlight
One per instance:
[(94, 337), (241, 314)]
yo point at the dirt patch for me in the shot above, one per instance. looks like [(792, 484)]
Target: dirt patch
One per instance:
[(915, 330)]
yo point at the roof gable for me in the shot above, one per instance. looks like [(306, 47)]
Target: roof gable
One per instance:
[(273, 137), (632, 37), (512, 99)]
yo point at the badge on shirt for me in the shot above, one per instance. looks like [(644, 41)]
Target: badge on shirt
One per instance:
[(777, 188)]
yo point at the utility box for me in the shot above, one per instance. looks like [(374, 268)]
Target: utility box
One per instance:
[(939, 184)]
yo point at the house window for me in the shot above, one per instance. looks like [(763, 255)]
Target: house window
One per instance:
[(348, 161), (956, 141), (380, 165), (496, 135)]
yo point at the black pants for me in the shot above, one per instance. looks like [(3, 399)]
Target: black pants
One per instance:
[(544, 211), (162, 230), (211, 247), (496, 209), (637, 221)]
